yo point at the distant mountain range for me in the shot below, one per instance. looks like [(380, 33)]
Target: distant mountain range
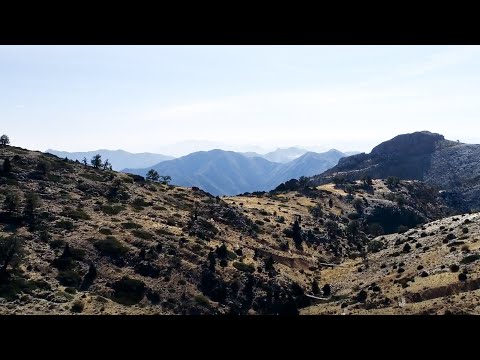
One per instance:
[(119, 159), (222, 172)]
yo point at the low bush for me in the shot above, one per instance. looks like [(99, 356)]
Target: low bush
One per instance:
[(111, 247)]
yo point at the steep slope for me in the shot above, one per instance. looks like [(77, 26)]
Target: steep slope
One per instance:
[(119, 159), (217, 172), (102, 242), (450, 166), (229, 173), (431, 269)]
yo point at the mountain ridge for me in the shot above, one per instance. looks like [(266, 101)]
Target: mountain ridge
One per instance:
[(451, 166), (231, 173), (119, 159)]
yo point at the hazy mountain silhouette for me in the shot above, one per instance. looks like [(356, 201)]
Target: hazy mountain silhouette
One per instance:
[(227, 173), (119, 159)]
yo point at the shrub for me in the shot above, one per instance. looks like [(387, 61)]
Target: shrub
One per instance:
[(111, 247), (375, 246), (11, 252), (269, 263), (361, 296), (139, 203), (406, 248), (326, 290), (105, 231), (202, 300), (392, 181), (43, 167), (462, 277), (57, 244), (77, 306), (375, 229), (131, 225), (142, 234), (128, 291), (470, 258), (401, 201), (77, 214), (32, 202), (244, 267), (12, 202), (353, 216), (454, 268), (69, 278), (64, 224), (112, 210)]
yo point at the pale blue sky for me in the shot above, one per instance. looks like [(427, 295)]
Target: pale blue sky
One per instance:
[(161, 98)]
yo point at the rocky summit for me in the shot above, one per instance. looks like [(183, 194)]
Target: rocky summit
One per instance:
[(450, 166)]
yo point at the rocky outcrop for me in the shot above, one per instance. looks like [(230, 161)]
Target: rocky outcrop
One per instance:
[(452, 167)]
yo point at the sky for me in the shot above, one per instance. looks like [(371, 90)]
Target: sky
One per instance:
[(178, 99)]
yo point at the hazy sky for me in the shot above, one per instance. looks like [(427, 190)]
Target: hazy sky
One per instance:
[(176, 99)]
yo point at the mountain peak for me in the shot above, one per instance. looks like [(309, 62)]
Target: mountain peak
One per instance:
[(419, 142)]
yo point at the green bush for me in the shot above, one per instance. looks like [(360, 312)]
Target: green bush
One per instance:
[(111, 247), (69, 278), (77, 306), (57, 244), (128, 291), (470, 258), (131, 225), (77, 214), (375, 246), (64, 224), (112, 209), (105, 231), (244, 267), (142, 234), (202, 300)]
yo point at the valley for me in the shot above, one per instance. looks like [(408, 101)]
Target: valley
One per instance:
[(79, 240)]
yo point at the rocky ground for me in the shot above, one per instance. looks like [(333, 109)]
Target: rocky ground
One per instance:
[(102, 242)]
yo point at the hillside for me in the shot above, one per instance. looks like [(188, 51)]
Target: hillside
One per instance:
[(448, 165), (308, 164), (431, 269), (119, 159), (101, 242), (229, 173)]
